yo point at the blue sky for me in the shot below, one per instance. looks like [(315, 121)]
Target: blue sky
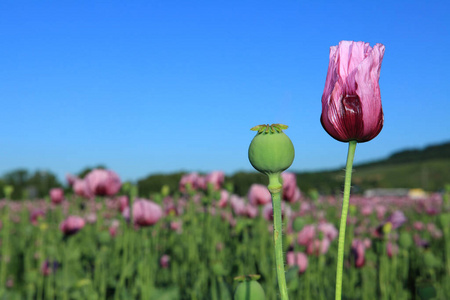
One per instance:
[(162, 86)]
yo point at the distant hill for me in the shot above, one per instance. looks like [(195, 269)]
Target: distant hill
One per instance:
[(427, 168)]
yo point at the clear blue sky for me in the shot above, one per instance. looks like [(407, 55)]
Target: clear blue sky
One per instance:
[(162, 86)]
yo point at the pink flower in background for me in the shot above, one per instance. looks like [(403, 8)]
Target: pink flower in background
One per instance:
[(123, 202), (305, 208), (56, 195), (223, 201), (91, 218), (81, 188), (164, 261), (216, 179), (329, 231), (358, 251), (35, 215), (72, 225), (228, 217), (238, 205), (113, 229), (366, 210), (170, 208), (351, 101), (391, 249), (258, 194), (318, 247), (103, 182), (421, 242), (71, 179), (48, 268), (10, 282), (176, 226), (193, 180), (397, 219), (291, 192), (146, 213), (268, 211), (252, 211), (435, 232), (381, 211), (201, 183), (297, 259), (306, 235)]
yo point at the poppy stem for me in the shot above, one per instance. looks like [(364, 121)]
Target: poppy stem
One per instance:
[(345, 203), (275, 190)]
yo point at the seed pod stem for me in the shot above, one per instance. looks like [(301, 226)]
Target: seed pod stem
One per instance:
[(274, 183), (277, 235), (271, 152)]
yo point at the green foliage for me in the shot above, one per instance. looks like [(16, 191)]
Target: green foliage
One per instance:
[(241, 181), (154, 183), (26, 185), (205, 256), (428, 169)]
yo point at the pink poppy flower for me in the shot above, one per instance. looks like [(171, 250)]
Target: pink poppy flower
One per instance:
[(223, 201), (238, 205), (56, 195), (114, 228), (267, 211), (258, 194), (193, 180), (216, 179), (252, 211), (318, 247), (306, 235), (328, 230), (35, 215), (103, 182), (351, 101), (291, 192), (123, 202), (391, 249), (358, 251), (164, 261), (297, 259), (146, 213), (72, 224), (81, 188)]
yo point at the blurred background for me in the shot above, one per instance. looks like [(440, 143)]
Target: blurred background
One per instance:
[(125, 130), (154, 87)]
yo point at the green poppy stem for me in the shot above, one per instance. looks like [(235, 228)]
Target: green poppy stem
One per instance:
[(275, 190), (346, 200)]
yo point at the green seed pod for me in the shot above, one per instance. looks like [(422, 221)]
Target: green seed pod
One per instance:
[(271, 151), (298, 224), (405, 240), (249, 290), (430, 260)]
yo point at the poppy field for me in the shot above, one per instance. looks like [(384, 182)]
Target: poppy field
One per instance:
[(103, 240)]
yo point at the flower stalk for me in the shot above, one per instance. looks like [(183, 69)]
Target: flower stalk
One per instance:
[(342, 227), (275, 190)]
